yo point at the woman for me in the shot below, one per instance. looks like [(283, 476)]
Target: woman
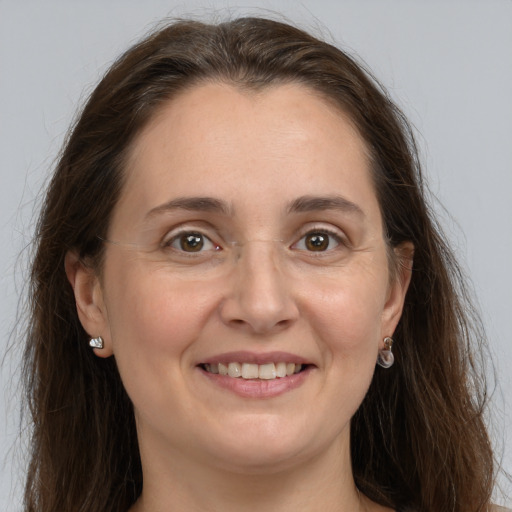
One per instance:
[(235, 234)]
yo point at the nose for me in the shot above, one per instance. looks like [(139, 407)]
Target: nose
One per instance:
[(260, 299)]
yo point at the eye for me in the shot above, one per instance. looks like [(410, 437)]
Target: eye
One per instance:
[(318, 241), (191, 242)]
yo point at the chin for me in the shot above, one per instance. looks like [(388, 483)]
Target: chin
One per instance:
[(267, 447)]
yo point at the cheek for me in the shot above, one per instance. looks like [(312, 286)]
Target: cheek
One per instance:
[(154, 321), (152, 309), (346, 314)]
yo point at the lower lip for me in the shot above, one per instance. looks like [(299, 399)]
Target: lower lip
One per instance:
[(256, 388)]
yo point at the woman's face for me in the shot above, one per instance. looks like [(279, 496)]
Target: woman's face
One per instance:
[(247, 239)]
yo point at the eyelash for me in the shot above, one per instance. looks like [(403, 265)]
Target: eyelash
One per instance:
[(339, 239), (178, 237), (321, 231)]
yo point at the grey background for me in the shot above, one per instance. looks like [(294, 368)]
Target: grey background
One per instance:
[(447, 63)]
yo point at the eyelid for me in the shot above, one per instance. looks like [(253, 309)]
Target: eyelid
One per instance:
[(334, 232), (211, 233), (175, 233)]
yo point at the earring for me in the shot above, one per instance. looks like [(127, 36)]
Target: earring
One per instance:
[(386, 357), (96, 342)]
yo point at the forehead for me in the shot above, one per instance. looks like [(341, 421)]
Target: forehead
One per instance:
[(212, 116), (272, 144)]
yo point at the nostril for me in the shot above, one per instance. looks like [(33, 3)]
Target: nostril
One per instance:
[(260, 327)]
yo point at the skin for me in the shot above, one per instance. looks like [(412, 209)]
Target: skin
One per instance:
[(204, 447)]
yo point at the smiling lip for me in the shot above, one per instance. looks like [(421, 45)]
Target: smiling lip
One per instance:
[(256, 358), (265, 387)]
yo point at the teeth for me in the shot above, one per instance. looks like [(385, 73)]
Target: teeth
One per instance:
[(281, 369), (249, 371), (234, 369), (268, 371)]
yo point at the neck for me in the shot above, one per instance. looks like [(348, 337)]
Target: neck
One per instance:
[(323, 483)]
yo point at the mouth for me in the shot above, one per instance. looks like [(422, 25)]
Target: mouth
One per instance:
[(256, 375), (252, 371)]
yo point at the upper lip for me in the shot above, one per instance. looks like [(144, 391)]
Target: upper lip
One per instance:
[(244, 356)]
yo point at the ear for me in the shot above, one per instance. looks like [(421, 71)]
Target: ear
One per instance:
[(89, 301), (398, 286)]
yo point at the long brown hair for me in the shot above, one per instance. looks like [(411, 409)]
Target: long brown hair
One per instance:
[(418, 439)]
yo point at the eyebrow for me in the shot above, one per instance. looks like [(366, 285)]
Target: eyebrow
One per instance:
[(305, 204), (302, 204), (203, 204)]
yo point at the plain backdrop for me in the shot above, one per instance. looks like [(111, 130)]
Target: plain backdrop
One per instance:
[(447, 63)]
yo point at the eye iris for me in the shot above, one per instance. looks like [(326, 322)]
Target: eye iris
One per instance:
[(192, 242), (317, 242)]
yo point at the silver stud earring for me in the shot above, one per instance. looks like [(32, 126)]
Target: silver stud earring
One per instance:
[(386, 357), (96, 342)]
